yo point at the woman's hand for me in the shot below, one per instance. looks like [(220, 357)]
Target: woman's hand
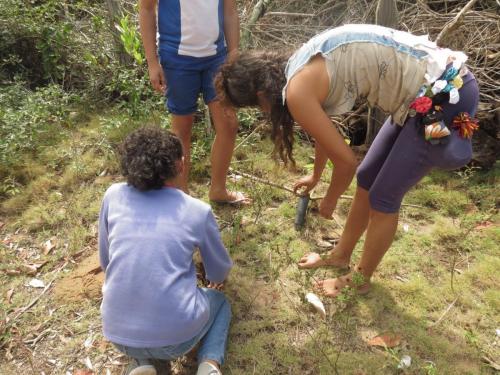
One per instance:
[(326, 208), (307, 182)]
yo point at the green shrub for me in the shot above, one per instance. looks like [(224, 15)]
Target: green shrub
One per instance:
[(30, 120)]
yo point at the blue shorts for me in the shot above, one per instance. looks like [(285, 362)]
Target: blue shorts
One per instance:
[(186, 78)]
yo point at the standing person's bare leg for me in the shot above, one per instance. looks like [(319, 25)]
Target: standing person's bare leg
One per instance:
[(226, 128), (379, 236), (182, 126), (355, 226)]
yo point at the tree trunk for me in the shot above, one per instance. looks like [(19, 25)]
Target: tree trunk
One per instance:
[(114, 14)]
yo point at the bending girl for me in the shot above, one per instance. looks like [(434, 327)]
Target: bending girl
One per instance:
[(427, 91)]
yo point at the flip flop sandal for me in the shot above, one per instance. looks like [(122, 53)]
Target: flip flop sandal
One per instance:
[(240, 200)]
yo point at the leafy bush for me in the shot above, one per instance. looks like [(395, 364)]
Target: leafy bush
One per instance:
[(30, 120), (78, 45)]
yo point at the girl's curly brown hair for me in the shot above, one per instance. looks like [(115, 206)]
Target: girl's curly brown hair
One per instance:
[(241, 78), (148, 157)]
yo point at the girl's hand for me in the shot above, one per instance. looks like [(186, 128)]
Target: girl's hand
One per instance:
[(216, 286), (157, 77), (326, 208), (307, 182)]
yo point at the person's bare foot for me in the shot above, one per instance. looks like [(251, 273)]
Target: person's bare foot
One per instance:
[(331, 259), (333, 287), (229, 197)]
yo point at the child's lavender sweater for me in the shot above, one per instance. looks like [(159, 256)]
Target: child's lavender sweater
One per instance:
[(146, 245)]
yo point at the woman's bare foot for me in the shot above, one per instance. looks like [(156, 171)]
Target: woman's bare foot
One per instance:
[(331, 259), (229, 197), (333, 287)]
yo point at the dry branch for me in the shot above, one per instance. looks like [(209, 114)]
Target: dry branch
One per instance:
[(450, 26), (290, 190), (290, 14), (258, 12)]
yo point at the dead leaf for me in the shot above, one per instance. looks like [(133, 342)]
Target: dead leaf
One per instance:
[(32, 269), (8, 353), (405, 362), (103, 345), (333, 239), (324, 244), (314, 300), (389, 340), (88, 363), (36, 328), (83, 372), (9, 295), (48, 246), (12, 272), (88, 342), (36, 283), (484, 224), (1, 224)]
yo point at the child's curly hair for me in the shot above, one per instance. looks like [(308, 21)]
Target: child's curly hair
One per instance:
[(241, 79), (148, 157)]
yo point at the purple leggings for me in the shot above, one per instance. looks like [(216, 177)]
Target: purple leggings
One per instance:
[(400, 156)]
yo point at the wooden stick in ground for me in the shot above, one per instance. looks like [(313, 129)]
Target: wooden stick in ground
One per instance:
[(451, 25)]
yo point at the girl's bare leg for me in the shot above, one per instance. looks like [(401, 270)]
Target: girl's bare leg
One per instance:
[(182, 126), (379, 236), (356, 224), (226, 128)]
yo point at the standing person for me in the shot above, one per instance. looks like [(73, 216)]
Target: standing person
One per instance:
[(428, 92), (149, 228), (194, 38)]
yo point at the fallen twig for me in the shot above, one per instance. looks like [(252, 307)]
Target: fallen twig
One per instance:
[(257, 128), (290, 14), (290, 190), (491, 363), (261, 180), (278, 186), (444, 313), (29, 306)]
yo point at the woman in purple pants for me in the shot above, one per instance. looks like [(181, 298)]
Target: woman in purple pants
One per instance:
[(427, 91)]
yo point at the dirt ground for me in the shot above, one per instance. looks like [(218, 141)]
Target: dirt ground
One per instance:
[(84, 282)]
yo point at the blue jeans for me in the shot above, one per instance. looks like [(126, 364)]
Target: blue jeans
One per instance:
[(212, 338)]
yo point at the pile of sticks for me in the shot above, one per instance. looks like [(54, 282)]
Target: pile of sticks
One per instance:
[(472, 26)]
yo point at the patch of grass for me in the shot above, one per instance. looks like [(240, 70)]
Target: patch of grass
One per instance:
[(449, 202), (274, 331)]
